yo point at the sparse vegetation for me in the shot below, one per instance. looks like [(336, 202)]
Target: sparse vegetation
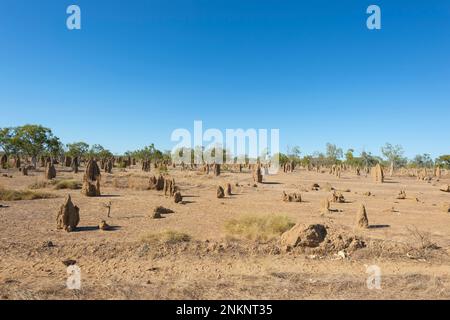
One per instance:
[(166, 237), (17, 195), (58, 184), (253, 227), (68, 184), (420, 245)]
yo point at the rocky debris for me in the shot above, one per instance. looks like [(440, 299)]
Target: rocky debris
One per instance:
[(68, 216), (361, 218), (315, 187), (445, 188)]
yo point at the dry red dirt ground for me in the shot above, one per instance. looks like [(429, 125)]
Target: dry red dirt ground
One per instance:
[(118, 264)]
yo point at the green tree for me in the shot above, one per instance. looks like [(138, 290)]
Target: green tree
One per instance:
[(444, 160), (422, 160), (99, 152), (393, 154), (8, 141), (333, 153), (77, 149)]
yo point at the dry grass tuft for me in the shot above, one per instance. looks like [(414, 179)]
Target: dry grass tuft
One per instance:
[(17, 195), (68, 184), (420, 245), (254, 227), (58, 184), (41, 184), (166, 237)]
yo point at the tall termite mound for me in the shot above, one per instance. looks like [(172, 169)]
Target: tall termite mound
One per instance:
[(17, 163), (169, 187), (91, 180), (67, 161), (377, 174), (437, 172), (50, 171), (229, 190), (361, 218), (216, 169), (4, 161), (146, 165), (257, 174), (109, 166), (75, 164), (68, 216)]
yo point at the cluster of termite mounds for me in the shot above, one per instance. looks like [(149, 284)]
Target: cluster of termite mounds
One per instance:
[(167, 185)]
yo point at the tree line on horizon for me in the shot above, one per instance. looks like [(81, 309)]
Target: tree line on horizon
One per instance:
[(35, 141)]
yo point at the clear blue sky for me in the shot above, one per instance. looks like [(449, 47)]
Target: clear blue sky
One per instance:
[(139, 69)]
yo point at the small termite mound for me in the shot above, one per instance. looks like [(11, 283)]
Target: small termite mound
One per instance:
[(401, 195), (220, 193), (292, 197), (177, 197)]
